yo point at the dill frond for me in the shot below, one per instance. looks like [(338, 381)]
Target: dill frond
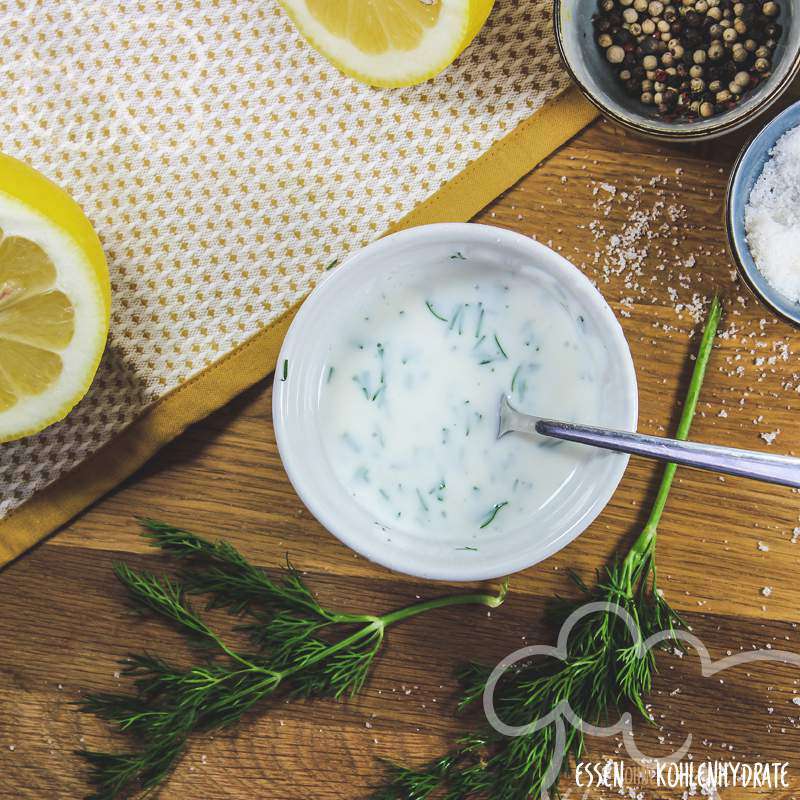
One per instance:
[(604, 670), (303, 650)]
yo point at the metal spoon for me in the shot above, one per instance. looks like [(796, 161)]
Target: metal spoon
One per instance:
[(761, 466)]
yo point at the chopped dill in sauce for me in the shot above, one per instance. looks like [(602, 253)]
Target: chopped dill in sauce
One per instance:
[(493, 513), (412, 436), (430, 308)]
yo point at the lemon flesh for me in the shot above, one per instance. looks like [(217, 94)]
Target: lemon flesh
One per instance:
[(54, 302), (389, 43)]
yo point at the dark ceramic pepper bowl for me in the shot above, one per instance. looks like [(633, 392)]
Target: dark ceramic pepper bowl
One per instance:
[(596, 79)]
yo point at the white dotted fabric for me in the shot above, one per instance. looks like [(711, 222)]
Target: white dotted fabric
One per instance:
[(224, 164)]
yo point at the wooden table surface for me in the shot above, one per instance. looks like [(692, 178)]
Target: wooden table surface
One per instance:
[(642, 220)]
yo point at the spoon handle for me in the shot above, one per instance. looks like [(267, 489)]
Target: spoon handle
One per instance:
[(784, 470)]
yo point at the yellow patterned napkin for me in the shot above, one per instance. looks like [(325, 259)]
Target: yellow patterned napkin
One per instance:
[(225, 164)]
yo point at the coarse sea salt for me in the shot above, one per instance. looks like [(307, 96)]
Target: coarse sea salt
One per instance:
[(772, 217)]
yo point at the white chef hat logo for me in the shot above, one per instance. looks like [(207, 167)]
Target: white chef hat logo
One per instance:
[(563, 714)]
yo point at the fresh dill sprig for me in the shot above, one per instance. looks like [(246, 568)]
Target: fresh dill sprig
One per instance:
[(300, 649), (603, 670)]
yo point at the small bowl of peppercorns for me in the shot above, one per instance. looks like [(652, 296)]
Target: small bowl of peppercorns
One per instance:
[(682, 70)]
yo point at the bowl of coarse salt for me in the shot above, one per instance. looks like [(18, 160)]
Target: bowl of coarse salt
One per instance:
[(762, 214)]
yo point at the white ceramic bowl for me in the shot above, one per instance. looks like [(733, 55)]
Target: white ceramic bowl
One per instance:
[(300, 377)]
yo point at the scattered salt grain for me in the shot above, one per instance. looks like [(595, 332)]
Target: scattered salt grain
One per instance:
[(766, 591), (770, 436)]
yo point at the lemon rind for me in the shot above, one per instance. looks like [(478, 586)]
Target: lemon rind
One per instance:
[(77, 277), (451, 34)]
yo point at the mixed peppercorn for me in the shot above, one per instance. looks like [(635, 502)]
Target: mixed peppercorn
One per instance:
[(690, 59)]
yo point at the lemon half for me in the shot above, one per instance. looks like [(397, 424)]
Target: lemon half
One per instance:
[(55, 301), (389, 42)]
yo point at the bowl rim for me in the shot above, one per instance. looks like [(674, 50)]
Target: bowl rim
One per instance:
[(686, 135), (370, 547), (742, 269)]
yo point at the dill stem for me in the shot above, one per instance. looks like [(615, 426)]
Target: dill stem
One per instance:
[(235, 656), (377, 625), (489, 600), (645, 544)]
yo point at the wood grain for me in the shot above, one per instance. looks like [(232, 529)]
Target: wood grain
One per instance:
[(64, 623)]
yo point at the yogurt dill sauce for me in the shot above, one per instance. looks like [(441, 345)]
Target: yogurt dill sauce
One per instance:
[(410, 397)]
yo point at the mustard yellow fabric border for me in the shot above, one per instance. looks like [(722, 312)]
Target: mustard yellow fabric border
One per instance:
[(457, 201)]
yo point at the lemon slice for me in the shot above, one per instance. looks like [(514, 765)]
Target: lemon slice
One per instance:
[(389, 42), (54, 301)]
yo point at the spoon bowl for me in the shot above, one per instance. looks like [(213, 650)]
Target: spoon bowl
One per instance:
[(783, 470)]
